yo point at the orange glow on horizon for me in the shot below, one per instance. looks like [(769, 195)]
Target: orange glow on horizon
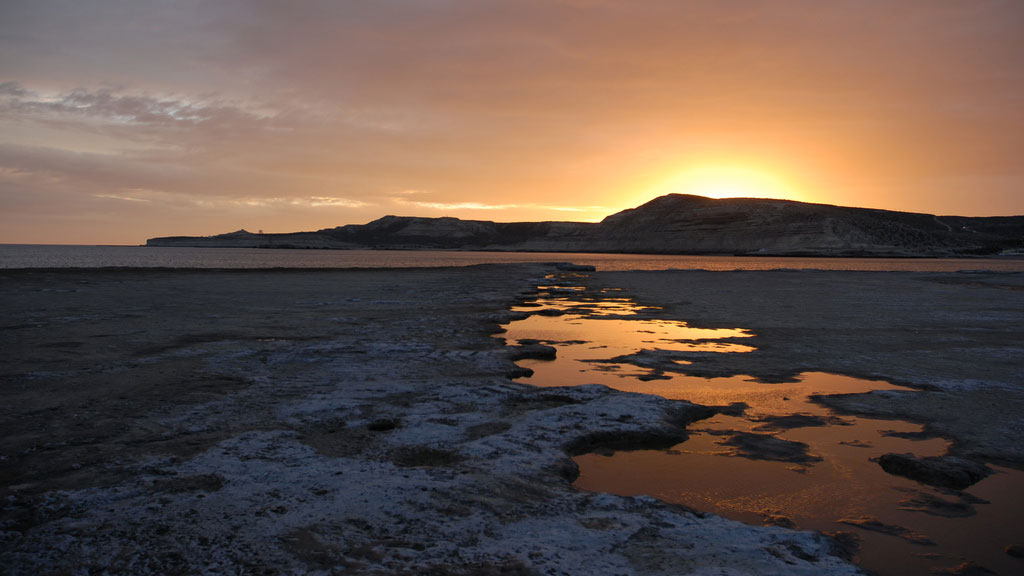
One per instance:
[(726, 181), (343, 112)]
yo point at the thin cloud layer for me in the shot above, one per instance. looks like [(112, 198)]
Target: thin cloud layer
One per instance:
[(109, 107), (123, 121), (458, 206)]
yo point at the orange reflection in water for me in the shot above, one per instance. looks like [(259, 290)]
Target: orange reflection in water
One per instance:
[(838, 478), (587, 344), (846, 483), (814, 494), (787, 398), (573, 305)]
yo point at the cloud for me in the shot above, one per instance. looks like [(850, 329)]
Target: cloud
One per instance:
[(106, 105), (308, 202), (506, 107), (131, 116), (119, 197), (13, 89), (502, 207), (456, 205)]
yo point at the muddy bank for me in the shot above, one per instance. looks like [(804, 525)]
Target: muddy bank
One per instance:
[(290, 422), (956, 337)]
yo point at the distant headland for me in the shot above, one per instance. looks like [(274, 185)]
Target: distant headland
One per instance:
[(672, 224)]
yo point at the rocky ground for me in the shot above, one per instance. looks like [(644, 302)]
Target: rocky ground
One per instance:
[(285, 422)]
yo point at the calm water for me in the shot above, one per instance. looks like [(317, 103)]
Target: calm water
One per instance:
[(60, 256), (783, 460)]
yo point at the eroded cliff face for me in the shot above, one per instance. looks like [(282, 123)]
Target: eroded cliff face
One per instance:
[(412, 232), (681, 223), (672, 224)]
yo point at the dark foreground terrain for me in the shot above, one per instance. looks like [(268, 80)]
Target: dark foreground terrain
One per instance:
[(287, 422)]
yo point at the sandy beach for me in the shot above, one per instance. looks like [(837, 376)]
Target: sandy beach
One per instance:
[(365, 421)]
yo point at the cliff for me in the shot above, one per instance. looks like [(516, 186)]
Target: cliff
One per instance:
[(672, 224)]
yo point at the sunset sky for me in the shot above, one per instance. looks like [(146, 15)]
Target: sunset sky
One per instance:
[(123, 120)]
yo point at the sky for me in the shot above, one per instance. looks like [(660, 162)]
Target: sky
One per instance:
[(130, 119)]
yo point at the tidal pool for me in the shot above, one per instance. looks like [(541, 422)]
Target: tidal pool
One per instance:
[(775, 456)]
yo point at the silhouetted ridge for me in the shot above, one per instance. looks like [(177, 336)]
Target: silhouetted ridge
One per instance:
[(673, 224)]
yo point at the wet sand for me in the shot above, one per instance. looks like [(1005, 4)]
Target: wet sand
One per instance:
[(271, 422)]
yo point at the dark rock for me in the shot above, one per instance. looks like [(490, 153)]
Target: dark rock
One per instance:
[(570, 267), (734, 409), (966, 569), (857, 443), (921, 435), (800, 420), (685, 413), (539, 399), (518, 372), (653, 376), (534, 351), (487, 429), (767, 447), (196, 483), (607, 442), (931, 504), (424, 456), (875, 525), (942, 471), (774, 519), (382, 425), (800, 553), (844, 544)]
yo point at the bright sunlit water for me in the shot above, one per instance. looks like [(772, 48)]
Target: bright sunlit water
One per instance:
[(830, 476), (66, 256)]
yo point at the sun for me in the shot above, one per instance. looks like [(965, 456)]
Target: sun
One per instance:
[(726, 181)]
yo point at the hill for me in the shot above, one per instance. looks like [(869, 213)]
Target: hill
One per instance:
[(672, 224)]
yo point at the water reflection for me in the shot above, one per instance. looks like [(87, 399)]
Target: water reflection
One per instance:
[(776, 457), (593, 332), (836, 479)]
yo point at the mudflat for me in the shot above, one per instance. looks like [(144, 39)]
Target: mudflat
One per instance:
[(286, 421)]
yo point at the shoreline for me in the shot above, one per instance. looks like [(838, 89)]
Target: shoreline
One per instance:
[(41, 257), (851, 255)]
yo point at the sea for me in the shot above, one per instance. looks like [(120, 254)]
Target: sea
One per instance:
[(76, 256)]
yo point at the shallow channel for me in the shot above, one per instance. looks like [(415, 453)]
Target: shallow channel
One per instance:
[(775, 456)]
